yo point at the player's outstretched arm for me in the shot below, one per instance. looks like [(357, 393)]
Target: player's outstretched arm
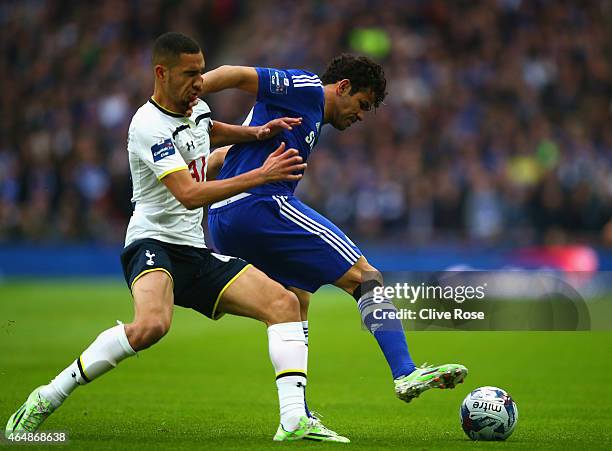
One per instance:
[(280, 165), (223, 134), (227, 77)]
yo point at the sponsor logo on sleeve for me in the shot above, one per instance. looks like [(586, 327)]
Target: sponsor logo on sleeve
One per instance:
[(162, 150), (278, 81)]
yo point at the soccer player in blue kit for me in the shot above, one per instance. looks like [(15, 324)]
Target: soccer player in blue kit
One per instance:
[(290, 241)]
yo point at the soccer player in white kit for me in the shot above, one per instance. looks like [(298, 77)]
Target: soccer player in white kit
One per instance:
[(165, 260)]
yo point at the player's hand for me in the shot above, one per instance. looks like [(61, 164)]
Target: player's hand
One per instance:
[(282, 165), (192, 103), (274, 127)]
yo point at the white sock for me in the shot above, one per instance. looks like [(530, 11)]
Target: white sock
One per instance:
[(291, 400), (107, 350), (287, 347)]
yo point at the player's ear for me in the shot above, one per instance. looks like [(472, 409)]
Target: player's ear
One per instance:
[(160, 72), (343, 87)]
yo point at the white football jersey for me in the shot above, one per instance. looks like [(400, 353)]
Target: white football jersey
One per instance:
[(161, 142)]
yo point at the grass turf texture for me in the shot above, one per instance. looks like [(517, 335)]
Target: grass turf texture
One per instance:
[(210, 384)]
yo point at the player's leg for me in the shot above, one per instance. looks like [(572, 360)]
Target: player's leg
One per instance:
[(289, 241), (360, 281), (286, 239), (326, 255), (153, 308), (304, 249), (304, 299), (153, 301), (106, 351), (254, 295)]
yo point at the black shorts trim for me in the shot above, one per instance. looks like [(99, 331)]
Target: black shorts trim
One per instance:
[(227, 285), (146, 271)]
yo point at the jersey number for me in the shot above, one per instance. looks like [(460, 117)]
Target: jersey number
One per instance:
[(198, 175)]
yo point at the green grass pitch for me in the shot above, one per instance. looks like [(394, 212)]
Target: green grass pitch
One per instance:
[(210, 384)]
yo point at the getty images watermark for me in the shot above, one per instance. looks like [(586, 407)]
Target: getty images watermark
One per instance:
[(489, 300), (413, 293)]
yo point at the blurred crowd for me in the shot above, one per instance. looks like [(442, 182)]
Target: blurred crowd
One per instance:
[(496, 130)]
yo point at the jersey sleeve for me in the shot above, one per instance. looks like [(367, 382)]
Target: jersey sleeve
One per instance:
[(202, 115), (156, 149), (291, 89)]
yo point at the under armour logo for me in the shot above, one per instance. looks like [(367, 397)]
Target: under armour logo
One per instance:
[(150, 256), (190, 145), (73, 375), (299, 384)]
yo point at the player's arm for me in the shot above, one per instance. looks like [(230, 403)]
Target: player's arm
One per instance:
[(290, 89), (215, 162), (280, 165), (223, 134), (227, 77)]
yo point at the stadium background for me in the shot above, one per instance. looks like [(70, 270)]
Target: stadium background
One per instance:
[(493, 148), (495, 130)]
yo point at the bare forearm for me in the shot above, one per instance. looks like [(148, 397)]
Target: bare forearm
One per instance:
[(280, 165), (225, 134), (202, 194), (228, 77)]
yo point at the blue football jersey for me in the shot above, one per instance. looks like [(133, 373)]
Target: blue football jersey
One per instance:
[(291, 93)]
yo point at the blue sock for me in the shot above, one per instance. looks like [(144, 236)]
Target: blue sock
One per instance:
[(388, 333)]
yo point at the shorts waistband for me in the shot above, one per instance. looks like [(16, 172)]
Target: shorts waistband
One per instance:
[(229, 200)]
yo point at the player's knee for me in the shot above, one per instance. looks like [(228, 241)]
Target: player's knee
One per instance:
[(361, 271), (367, 279), (146, 333), (284, 307), (372, 274)]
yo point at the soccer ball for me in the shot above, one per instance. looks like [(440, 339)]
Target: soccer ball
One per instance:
[(488, 413)]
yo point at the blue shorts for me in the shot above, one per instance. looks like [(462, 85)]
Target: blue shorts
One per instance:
[(286, 239)]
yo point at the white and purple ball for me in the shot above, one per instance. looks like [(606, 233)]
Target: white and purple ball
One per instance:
[(488, 413)]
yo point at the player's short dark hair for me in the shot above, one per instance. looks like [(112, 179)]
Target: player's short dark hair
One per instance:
[(169, 46), (361, 71)]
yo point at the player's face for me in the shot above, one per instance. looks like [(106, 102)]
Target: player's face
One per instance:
[(351, 108), (184, 81)]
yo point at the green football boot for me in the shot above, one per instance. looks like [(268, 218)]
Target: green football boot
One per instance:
[(309, 429), (30, 415), (428, 376)]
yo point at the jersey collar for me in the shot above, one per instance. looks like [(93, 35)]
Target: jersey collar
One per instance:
[(164, 110)]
